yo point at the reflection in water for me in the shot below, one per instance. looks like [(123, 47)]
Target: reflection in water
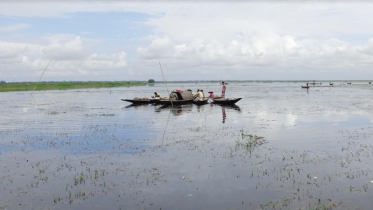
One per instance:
[(223, 107), (176, 110), (235, 107), (223, 113), (199, 108), (135, 106), (159, 108)]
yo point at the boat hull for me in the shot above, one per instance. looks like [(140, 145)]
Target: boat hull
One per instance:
[(138, 101), (201, 102), (226, 101)]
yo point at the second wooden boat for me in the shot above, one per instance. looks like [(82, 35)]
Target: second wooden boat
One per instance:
[(225, 100)]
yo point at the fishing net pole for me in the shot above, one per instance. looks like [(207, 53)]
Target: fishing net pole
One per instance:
[(165, 84)]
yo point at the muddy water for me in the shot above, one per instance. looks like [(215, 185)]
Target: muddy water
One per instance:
[(281, 147)]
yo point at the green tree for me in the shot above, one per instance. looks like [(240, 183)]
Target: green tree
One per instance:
[(151, 81)]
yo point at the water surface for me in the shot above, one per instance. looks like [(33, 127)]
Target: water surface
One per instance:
[(280, 147)]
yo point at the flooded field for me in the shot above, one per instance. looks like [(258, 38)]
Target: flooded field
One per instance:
[(280, 147)]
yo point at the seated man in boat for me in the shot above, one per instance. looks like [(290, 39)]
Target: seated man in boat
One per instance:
[(203, 94), (156, 95), (173, 96), (195, 94), (199, 96)]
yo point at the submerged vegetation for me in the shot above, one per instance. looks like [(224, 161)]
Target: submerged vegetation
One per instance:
[(9, 87), (249, 142)]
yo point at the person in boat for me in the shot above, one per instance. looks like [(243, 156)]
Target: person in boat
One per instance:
[(195, 94), (156, 95), (173, 96), (199, 96), (211, 94), (223, 88), (203, 94)]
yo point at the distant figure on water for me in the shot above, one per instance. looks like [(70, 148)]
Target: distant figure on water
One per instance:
[(223, 88)]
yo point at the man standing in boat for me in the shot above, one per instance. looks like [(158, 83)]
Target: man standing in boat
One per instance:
[(223, 88)]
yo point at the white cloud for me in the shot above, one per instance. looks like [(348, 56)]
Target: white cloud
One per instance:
[(115, 61), (231, 40), (72, 49), (9, 50), (71, 59), (15, 27)]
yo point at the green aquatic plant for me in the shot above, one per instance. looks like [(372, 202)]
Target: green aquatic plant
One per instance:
[(249, 142)]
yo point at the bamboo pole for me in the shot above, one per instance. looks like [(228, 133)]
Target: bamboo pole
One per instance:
[(168, 92)]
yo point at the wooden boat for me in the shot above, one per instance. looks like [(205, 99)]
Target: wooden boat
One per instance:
[(184, 97), (139, 101), (305, 86), (201, 102), (225, 100), (173, 102)]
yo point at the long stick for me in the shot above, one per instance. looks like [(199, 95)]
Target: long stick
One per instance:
[(165, 84), (42, 74)]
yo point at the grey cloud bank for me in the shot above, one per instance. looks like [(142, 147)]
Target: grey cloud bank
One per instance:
[(195, 41)]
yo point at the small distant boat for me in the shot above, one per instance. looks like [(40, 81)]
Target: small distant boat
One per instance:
[(225, 100), (201, 102), (305, 86)]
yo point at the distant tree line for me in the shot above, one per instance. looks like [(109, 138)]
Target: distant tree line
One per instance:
[(57, 82)]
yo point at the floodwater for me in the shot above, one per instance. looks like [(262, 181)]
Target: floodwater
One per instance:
[(280, 147)]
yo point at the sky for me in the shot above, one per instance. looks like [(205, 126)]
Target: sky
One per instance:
[(92, 40)]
